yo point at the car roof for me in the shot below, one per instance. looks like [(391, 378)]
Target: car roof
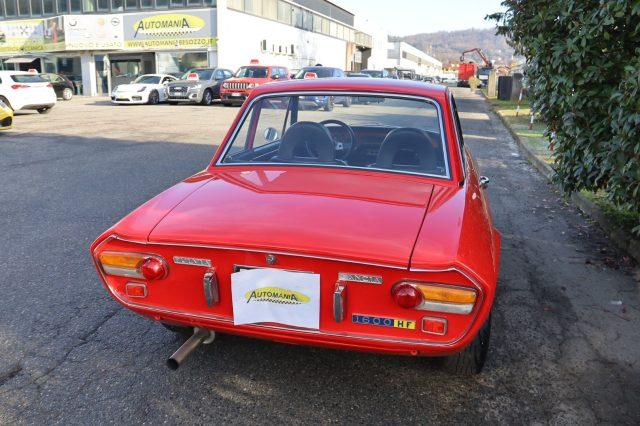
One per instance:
[(347, 84)]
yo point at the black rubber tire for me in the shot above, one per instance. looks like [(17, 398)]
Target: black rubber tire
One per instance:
[(46, 110), (471, 360), (154, 98), (207, 100), (6, 101)]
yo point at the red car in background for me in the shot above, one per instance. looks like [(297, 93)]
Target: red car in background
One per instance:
[(237, 89), (363, 228)]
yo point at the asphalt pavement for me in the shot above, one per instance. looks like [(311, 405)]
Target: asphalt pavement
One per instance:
[(565, 341)]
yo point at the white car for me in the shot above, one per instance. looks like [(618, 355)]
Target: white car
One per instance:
[(22, 90), (146, 89)]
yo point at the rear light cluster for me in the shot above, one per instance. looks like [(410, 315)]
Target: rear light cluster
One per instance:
[(434, 297), (133, 265)]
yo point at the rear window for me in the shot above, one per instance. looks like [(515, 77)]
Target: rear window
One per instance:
[(376, 132), (28, 78), (202, 74), (320, 72)]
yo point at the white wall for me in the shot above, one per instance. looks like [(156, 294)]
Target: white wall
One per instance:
[(240, 35), (380, 36)]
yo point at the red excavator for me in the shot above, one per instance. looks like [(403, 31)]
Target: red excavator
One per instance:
[(468, 69)]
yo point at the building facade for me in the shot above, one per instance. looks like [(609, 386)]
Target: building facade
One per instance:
[(102, 43), (409, 60)]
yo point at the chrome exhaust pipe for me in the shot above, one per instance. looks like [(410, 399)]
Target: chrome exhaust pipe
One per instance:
[(200, 336)]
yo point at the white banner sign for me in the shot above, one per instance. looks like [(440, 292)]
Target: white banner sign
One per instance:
[(88, 32), (273, 295)]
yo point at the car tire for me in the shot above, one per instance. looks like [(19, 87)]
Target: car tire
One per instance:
[(45, 110), (67, 94), (472, 358), (329, 105), (6, 101), (207, 98), (154, 98)]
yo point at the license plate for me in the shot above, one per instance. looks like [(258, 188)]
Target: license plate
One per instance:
[(276, 296), (236, 95)]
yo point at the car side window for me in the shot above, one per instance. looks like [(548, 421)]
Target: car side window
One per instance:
[(275, 72), (218, 75), (456, 121)]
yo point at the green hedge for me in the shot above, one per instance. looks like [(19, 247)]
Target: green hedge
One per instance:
[(584, 75)]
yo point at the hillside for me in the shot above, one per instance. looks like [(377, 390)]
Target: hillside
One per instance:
[(447, 46)]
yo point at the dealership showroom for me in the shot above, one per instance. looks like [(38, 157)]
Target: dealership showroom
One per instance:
[(99, 44)]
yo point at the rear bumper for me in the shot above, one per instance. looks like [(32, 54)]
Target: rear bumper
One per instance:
[(285, 334), (38, 106)]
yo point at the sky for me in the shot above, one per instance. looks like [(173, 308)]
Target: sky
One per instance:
[(406, 17)]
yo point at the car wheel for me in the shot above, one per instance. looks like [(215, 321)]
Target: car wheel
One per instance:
[(329, 105), (207, 97), (67, 94), (154, 98), (6, 102), (45, 110), (471, 360)]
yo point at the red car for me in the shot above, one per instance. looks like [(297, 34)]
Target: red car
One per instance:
[(236, 90), (363, 228)]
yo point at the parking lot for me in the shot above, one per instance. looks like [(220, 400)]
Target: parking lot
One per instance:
[(565, 342)]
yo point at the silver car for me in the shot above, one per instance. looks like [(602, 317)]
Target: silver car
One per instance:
[(199, 85)]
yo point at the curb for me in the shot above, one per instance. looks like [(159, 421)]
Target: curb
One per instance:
[(618, 235)]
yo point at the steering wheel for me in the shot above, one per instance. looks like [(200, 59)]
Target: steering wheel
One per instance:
[(343, 149)]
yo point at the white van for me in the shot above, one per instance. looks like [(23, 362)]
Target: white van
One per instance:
[(26, 90)]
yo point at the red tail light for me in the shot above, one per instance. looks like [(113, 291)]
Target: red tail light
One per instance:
[(406, 296), (153, 268), (19, 86)]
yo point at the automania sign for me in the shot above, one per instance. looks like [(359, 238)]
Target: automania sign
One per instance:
[(171, 25)]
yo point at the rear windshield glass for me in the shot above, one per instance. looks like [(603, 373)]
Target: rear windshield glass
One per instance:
[(202, 74), (252, 72), (375, 74), (147, 79), (28, 78), (320, 72), (367, 132)]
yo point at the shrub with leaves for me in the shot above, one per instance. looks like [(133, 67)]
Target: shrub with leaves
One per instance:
[(584, 75)]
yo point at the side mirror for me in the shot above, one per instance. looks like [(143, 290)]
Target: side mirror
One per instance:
[(275, 77), (271, 134)]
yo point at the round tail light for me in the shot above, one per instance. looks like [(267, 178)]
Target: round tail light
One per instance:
[(406, 296), (153, 268)]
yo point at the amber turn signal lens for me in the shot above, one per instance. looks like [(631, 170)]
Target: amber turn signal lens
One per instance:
[(121, 260), (447, 294)]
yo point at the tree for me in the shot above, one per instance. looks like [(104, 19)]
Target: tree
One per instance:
[(584, 74)]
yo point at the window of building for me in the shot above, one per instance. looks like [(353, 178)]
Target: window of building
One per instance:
[(89, 5), (253, 6), (317, 23), (326, 26), (36, 8), (48, 7), (62, 6), (103, 5), (307, 20), (23, 7), (131, 4), (177, 64), (117, 5), (296, 17), (210, 2), (236, 4), (194, 2), (162, 4), (10, 7), (177, 3), (284, 12), (270, 9), (340, 33), (333, 29), (76, 6)]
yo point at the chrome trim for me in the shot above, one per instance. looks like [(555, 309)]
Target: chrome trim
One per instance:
[(191, 261), (450, 308), (211, 288), (441, 320), (460, 137), (242, 119), (282, 253), (121, 272), (339, 301), (360, 278)]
